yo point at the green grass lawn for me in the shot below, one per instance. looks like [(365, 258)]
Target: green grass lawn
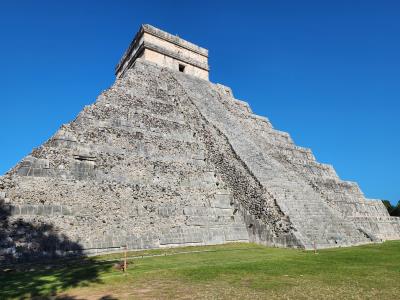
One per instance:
[(232, 271)]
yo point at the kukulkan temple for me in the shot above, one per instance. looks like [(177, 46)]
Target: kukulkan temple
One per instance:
[(166, 158)]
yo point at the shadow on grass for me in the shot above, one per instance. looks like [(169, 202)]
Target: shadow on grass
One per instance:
[(36, 261)]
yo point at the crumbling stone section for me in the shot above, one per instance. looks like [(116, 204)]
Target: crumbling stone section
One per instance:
[(256, 205), (166, 159)]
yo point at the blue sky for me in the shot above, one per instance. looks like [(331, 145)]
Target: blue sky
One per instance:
[(327, 72)]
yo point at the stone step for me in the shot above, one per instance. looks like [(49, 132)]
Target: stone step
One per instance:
[(129, 106), (174, 151), (178, 132), (247, 143)]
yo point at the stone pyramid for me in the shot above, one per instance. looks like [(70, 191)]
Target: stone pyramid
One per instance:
[(166, 158)]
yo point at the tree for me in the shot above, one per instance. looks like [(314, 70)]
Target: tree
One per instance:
[(393, 210), (388, 206), (396, 210)]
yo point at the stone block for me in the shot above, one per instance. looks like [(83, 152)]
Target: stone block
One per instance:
[(236, 233), (171, 239), (223, 212), (167, 210), (57, 210), (24, 210), (212, 236), (200, 220), (15, 210), (66, 211), (196, 211), (47, 210), (108, 240), (182, 236), (192, 237), (32, 210), (7, 209), (150, 242), (40, 210), (134, 244), (37, 172), (77, 210), (23, 171), (221, 201)]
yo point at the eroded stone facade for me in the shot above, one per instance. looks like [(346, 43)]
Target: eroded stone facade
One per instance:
[(163, 159)]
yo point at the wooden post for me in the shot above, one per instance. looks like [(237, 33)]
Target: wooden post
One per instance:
[(125, 264)]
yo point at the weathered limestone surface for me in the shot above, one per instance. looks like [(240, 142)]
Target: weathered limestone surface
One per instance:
[(323, 209), (166, 50), (166, 159)]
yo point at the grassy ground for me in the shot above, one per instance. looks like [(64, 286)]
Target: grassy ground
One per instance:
[(233, 271)]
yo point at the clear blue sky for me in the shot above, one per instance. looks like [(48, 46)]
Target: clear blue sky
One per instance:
[(328, 72)]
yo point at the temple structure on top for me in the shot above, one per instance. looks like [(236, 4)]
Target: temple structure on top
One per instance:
[(166, 50)]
